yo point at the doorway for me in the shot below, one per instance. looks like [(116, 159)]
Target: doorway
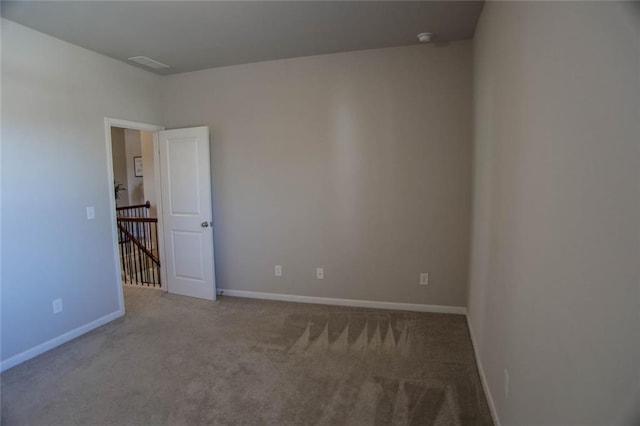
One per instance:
[(117, 132), (136, 207)]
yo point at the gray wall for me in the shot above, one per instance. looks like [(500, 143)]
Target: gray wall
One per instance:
[(357, 162), (119, 157), (55, 97), (149, 181), (555, 282), (133, 148)]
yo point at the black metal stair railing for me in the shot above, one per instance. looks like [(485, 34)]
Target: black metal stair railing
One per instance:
[(138, 246)]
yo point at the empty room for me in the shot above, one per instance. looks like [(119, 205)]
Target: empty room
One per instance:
[(320, 213)]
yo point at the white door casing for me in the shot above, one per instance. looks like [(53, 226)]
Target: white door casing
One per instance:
[(187, 214)]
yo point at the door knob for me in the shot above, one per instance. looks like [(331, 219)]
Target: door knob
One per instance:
[(205, 224)]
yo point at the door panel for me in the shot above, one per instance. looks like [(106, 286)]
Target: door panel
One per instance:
[(186, 202), (182, 167), (185, 264)]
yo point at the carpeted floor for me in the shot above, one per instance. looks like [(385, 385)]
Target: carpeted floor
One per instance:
[(178, 360)]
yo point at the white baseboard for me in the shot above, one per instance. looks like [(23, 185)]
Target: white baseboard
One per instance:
[(460, 310), (483, 378), (57, 341)]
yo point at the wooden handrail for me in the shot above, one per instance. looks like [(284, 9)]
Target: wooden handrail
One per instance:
[(139, 244), (137, 206), (137, 219)]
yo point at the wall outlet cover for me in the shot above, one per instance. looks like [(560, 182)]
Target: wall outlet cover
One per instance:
[(91, 213), (57, 306), (424, 278)]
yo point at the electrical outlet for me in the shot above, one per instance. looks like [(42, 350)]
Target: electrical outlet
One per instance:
[(57, 306), (506, 384), (424, 278), (91, 213), (278, 270), (320, 273)]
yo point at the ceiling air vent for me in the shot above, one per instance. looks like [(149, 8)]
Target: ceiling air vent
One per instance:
[(148, 62)]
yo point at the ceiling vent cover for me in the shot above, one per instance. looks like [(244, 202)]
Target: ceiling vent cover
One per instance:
[(148, 62)]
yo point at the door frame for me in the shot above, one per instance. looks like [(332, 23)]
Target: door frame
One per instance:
[(133, 125)]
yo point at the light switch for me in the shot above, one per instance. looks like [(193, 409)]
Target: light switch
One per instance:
[(91, 213)]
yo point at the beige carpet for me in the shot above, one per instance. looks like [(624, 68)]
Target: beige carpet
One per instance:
[(177, 360)]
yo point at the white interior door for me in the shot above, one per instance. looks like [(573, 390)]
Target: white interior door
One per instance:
[(187, 218)]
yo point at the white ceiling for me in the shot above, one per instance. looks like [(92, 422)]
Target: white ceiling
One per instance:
[(194, 35)]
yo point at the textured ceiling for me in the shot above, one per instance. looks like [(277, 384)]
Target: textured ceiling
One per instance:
[(194, 35)]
